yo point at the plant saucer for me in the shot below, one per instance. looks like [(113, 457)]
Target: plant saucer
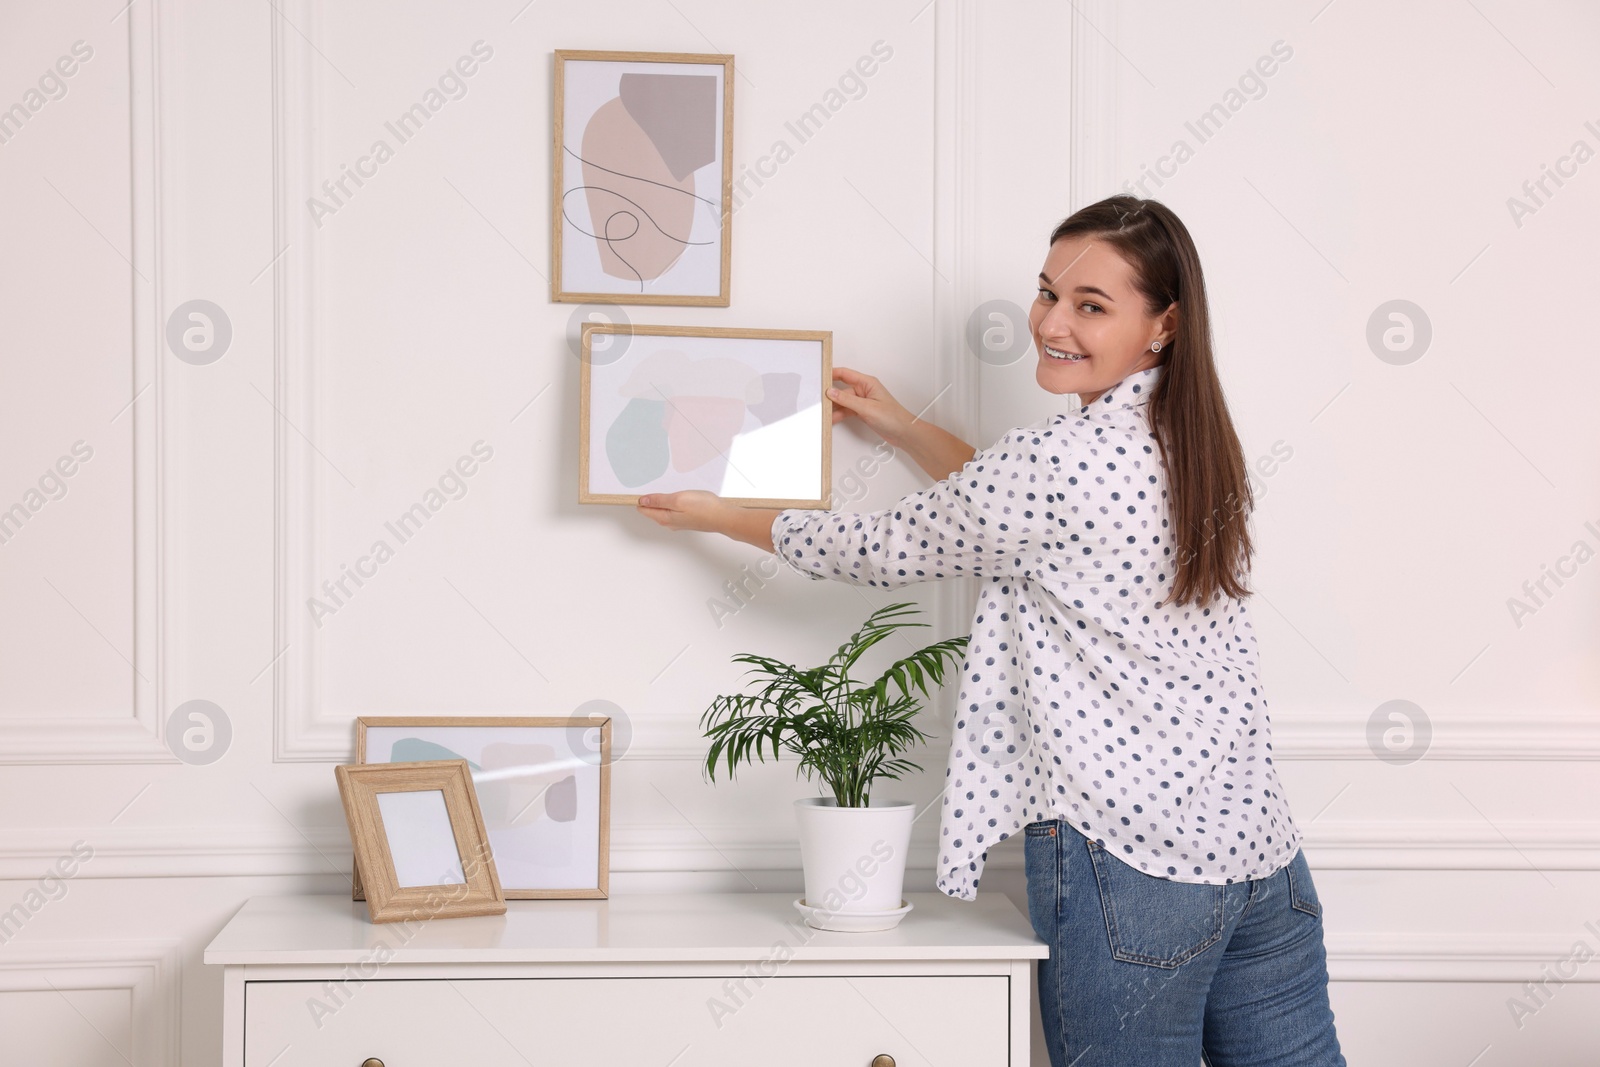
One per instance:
[(853, 921)]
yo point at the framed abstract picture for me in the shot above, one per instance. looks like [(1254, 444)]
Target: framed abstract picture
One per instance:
[(642, 178), (543, 785), (419, 840), (741, 413)]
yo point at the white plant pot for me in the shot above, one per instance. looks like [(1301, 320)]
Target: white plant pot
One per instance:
[(854, 861)]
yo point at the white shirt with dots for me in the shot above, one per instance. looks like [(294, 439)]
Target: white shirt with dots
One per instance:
[(1084, 695)]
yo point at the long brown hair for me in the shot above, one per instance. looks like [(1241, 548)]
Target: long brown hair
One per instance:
[(1209, 498)]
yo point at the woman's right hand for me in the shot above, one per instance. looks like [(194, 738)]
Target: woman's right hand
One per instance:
[(938, 452), (868, 400)]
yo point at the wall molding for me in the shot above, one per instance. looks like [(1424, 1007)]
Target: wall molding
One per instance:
[(1093, 162), (677, 846), (955, 278), (1448, 957), (301, 733), (48, 739), (1452, 957), (1550, 736), (1562, 737), (149, 970), (676, 736), (303, 728)]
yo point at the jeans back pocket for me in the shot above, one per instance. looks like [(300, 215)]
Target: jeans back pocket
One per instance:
[(1155, 921), (1302, 894)]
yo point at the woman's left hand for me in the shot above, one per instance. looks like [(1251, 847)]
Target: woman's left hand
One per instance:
[(691, 509), (696, 509)]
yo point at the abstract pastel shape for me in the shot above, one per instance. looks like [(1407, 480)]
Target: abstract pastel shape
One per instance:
[(412, 749), (637, 442), (524, 798), (779, 396), (561, 801), (669, 373), (642, 214), (678, 112), (700, 428)]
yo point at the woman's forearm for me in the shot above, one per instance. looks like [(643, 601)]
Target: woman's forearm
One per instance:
[(753, 526), (938, 452)]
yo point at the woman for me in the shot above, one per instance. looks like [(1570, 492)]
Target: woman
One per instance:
[(1110, 706)]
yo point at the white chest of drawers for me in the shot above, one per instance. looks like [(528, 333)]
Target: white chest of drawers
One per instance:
[(693, 980)]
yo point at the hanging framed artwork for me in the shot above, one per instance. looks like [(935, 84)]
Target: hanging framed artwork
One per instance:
[(741, 413), (419, 840), (641, 178), (543, 785)]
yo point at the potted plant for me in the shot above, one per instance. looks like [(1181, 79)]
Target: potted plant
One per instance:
[(848, 733)]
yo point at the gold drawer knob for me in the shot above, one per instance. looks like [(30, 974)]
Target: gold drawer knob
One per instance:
[(373, 1062), (882, 1059)]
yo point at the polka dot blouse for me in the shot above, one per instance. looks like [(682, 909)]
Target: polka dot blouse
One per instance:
[(1084, 696)]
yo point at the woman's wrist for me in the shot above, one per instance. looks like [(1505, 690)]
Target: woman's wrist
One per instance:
[(752, 526), (938, 452), (908, 433)]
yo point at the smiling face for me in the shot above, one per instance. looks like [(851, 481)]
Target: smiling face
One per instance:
[(1088, 307)]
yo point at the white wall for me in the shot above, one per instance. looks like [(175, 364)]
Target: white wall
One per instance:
[(370, 351)]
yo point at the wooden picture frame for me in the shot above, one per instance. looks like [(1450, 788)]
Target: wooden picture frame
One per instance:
[(641, 178), (498, 750), (435, 826), (669, 408)]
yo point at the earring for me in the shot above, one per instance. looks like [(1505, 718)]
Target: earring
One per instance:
[(1155, 347)]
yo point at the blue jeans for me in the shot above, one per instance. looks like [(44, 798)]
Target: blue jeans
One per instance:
[(1149, 972)]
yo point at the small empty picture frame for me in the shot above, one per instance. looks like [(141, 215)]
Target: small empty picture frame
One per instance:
[(419, 840), (740, 413)]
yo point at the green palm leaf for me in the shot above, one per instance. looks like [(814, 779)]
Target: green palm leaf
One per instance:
[(845, 732)]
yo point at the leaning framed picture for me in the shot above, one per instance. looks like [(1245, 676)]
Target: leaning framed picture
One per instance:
[(742, 413), (543, 785), (419, 840), (641, 178)]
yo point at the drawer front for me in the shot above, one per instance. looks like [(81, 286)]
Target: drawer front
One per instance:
[(787, 1021)]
